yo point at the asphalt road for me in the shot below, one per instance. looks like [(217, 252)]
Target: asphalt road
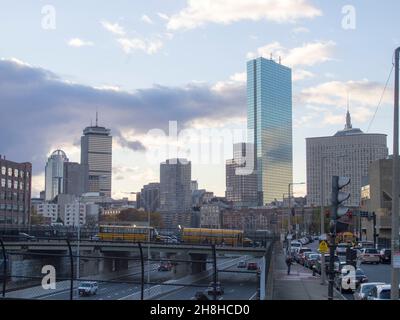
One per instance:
[(237, 286), (375, 273), (114, 291)]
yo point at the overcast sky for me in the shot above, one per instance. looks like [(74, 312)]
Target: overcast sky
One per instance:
[(144, 64)]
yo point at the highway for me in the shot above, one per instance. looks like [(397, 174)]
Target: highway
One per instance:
[(237, 286)]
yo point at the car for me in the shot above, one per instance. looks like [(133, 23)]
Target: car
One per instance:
[(217, 289), (360, 278), (295, 244), (26, 237), (341, 248), (310, 259), (242, 264), (327, 259), (362, 291), (200, 296), (305, 257), (88, 288), (385, 256), (95, 238), (165, 266), (370, 256), (252, 266), (366, 245), (338, 265), (299, 255), (380, 292)]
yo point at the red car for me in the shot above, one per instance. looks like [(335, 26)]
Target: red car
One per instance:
[(252, 266)]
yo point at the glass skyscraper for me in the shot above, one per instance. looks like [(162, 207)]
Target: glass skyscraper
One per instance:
[(269, 101)]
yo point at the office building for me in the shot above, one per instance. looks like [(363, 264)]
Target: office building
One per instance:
[(15, 192), (348, 153), (376, 196), (269, 99), (54, 175), (150, 197), (175, 193), (241, 184), (74, 178), (96, 156)]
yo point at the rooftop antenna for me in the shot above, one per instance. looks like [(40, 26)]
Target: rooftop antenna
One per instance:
[(271, 56), (97, 118), (280, 60)]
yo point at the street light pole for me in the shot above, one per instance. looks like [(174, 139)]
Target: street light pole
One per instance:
[(396, 187), (148, 248), (78, 247), (323, 273), (290, 211)]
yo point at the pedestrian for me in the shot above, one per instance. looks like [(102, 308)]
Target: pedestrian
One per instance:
[(289, 263)]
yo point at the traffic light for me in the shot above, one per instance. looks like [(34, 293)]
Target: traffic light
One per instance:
[(338, 197)]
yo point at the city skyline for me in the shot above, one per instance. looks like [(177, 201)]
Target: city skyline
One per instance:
[(72, 78)]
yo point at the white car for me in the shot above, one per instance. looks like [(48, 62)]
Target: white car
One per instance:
[(380, 292), (88, 288), (370, 256), (363, 290), (341, 248)]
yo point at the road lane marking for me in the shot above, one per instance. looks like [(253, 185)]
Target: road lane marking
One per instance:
[(253, 296)]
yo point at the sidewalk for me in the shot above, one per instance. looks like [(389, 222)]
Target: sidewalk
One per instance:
[(299, 285)]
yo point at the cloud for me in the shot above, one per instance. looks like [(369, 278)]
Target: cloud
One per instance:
[(145, 18), (114, 28), (163, 16), (334, 93), (53, 112), (200, 12), (77, 43), (308, 54), (300, 30), (300, 74), (150, 47), (132, 145)]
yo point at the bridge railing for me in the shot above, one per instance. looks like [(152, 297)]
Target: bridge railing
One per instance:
[(32, 272)]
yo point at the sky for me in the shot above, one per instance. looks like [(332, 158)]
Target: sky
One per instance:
[(168, 77)]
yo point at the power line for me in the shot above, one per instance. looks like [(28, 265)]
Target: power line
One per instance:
[(380, 100)]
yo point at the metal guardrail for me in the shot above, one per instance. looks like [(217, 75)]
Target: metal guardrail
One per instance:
[(71, 279)]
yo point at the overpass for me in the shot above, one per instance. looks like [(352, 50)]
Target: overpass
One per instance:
[(128, 247)]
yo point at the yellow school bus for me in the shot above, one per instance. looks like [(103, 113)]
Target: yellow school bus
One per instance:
[(346, 237), (212, 236), (127, 233)]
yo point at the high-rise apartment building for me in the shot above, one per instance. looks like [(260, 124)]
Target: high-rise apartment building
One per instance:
[(269, 104), (96, 156)]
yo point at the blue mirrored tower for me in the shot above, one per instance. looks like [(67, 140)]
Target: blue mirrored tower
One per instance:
[(269, 102)]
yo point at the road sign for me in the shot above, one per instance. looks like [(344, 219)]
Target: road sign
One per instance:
[(323, 247)]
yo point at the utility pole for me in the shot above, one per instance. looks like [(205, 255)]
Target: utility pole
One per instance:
[(396, 187)]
